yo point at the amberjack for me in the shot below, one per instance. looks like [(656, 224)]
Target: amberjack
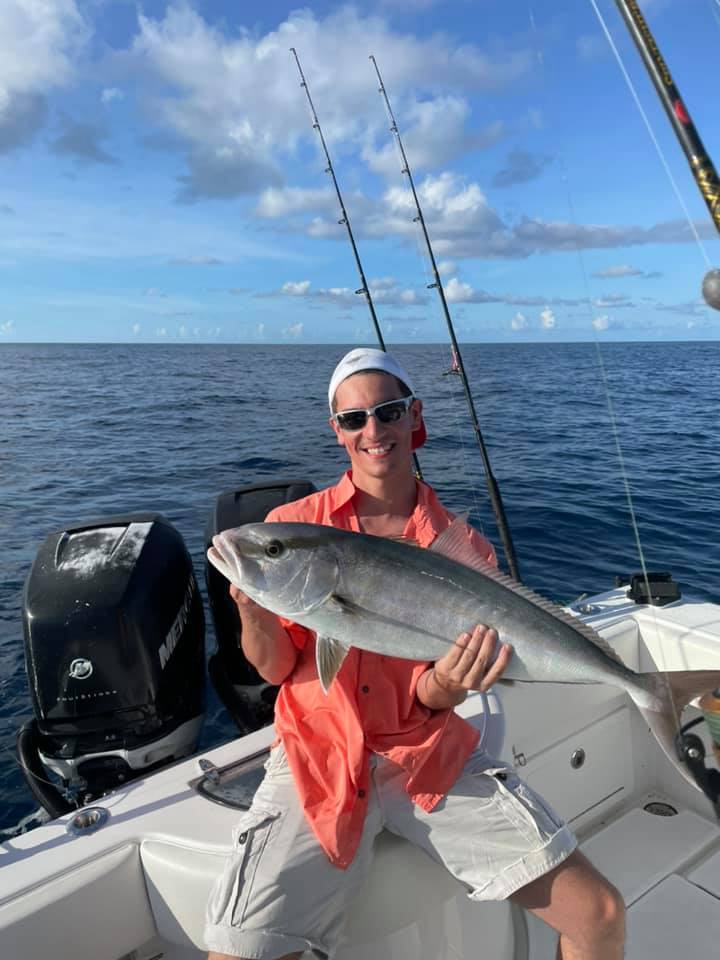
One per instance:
[(401, 600)]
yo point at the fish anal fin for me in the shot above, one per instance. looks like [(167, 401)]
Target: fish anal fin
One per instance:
[(329, 656)]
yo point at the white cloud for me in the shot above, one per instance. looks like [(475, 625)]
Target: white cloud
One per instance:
[(519, 322), (613, 300), (136, 328), (293, 332), (547, 319), (161, 332), (383, 291), (39, 42), (111, 93), (282, 202), (601, 323), (434, 132), (446, 268), (196, 261), (294, 289), (207, 76), (7, 328), (451, 208), (621, 270), (458, 292)]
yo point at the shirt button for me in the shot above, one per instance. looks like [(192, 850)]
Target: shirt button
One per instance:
[(361, 793), (366, 689)]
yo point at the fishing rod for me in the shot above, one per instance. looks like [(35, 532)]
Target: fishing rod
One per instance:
[(345, 220), (689, 748), (493, 489), (701, 166)]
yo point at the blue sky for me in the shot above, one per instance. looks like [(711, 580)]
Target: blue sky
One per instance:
[(160, 179)]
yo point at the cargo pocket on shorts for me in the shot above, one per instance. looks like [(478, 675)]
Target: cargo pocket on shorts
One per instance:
[(251, 836), (525, 808)]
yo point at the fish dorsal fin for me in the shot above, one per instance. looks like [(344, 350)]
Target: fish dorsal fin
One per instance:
[(455, 544)]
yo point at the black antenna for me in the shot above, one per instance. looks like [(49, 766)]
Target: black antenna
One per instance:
[(493, 489), (701, 166), (364, 289)]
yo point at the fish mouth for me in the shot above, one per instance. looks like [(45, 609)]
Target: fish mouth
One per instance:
[(224, 558)]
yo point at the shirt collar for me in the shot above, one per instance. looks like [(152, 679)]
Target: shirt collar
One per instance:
[(428, 519)]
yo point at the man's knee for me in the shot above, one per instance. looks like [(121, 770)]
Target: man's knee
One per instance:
[(608, 912)]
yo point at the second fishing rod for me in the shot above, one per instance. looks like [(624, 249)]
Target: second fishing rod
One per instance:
[(345, 221), (493, 489), (492, 485)]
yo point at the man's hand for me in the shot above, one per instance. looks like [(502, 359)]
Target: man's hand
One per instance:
[(242, 600), (470, 664), (265, 642)]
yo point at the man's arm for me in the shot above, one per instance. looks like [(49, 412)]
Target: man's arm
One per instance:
[(265, 642), (470, 664)]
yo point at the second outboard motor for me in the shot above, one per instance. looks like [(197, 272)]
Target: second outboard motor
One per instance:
[(114, 651), (244, 693)]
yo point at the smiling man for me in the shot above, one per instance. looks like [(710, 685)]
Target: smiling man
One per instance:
[(383, 748)]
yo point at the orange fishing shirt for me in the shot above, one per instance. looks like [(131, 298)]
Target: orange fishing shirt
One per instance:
[(371, 705)]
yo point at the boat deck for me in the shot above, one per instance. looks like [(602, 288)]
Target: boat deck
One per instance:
[(136, 889)]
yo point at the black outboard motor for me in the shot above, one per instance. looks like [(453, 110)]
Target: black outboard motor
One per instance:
[(246, 696), (114, 651)]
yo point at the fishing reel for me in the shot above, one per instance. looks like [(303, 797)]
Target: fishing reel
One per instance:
[(691, 750)]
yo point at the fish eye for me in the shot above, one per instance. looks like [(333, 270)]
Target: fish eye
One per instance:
[(274, 549)]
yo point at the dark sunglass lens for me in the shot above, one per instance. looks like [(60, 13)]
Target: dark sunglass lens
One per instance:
[(352, 420), (391, 412)]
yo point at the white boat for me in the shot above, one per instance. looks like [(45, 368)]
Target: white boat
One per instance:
[(127, 878)]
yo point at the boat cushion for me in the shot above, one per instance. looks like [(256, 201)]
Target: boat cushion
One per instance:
[(98, 911)]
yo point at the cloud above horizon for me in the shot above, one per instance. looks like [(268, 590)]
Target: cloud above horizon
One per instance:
[(38, 44), (205, 75)]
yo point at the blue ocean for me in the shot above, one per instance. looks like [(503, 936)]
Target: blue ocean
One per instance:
[(95, 429)]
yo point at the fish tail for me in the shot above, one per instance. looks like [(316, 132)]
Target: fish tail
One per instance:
[(670, 693)]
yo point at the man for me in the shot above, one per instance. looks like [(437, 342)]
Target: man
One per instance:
[(383, 748)]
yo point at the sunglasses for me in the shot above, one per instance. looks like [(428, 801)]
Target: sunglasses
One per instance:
[(388, 412)]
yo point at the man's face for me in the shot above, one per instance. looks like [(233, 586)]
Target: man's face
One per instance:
[(378, 449)]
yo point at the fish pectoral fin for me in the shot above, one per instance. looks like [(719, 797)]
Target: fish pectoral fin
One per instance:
[(339, 604), (329, 655)]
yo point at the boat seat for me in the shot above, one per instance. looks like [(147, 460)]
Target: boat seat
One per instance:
[(98, 910), (427, 909)]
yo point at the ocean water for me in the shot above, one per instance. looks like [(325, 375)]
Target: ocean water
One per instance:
[(89, 430)]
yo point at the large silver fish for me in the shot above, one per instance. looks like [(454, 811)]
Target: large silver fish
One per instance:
[(404, 601)]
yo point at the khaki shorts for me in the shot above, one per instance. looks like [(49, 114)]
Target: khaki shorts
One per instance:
[(280, 894)]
